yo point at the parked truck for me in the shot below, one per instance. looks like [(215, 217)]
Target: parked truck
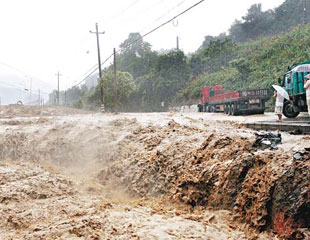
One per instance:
[(292, 82), (217, 99)]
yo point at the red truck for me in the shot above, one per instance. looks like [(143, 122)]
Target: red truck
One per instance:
[(249, 101)]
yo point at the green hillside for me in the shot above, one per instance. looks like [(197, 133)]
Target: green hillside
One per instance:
[(256, 64), (254, 53)]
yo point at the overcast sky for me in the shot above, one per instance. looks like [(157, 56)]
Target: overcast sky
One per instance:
[(41, 37)]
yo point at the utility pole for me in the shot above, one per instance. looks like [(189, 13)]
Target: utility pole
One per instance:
[(30, 97), (65, 98), (115, 82), (39, 99), (99, 62), (58, 75), (178, 43), (305, 12)]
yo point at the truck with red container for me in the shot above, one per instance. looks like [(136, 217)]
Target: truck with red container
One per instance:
[(248, 101)]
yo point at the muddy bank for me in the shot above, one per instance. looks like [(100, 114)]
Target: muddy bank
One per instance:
[(38, 204), (10, 111), (200, 167), (147, 176), (49, 188)]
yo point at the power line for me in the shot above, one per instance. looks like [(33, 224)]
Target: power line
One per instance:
[(95, 67), (92, 72), (170, 20), (142, 12), (13, 68), (26, 75), (10, 85), (165, 14), (160, 26), (16, 87), (146, 34), (125, 9)]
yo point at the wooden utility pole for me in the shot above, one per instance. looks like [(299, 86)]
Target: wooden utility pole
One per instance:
[(58, 75), (115, 82), (99, 63), (178, 43), (65, 98), (305, 12), (39, 100), (30, 96)]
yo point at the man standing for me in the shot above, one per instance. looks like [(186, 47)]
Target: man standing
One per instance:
[(279, 105), (307, 87)]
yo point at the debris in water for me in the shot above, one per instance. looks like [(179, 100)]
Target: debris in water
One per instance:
[(268, 140)]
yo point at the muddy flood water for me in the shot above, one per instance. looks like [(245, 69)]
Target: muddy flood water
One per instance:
[(68, 174)]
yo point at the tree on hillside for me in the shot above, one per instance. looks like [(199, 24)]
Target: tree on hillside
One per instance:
[(125, 88), (243, 67), (209, 39), (218, 54), (145, 92), (136, 56), (254, 24), (172, 74), (258, 23), (197, 64), (290, 14), (236, 32)]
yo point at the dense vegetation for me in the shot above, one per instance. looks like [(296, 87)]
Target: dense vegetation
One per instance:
[(256, 64), (254, 54)]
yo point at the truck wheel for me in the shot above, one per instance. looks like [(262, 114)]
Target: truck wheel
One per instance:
[(205, 108), (233, 110), (200, 108), (288, 110), (226, 109), (229, 109), (261, 112)]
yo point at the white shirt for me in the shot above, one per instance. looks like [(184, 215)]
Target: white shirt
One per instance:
[(279, 100), (307, 87)]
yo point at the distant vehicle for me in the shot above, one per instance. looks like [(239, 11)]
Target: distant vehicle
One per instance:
[(292, 82), (18, 103), (217, 99)]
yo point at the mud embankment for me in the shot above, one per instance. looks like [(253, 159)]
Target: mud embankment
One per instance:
[(48, 189), (189, 164), (266, 189)]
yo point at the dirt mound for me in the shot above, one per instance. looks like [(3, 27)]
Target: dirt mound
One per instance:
[(10, 111), (23, 123), (194, 165), (149, 160), (22, 182), (38, 204), (224, 172), (213, 173)]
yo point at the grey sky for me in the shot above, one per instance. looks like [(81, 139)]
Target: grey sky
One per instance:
[(40, 37)]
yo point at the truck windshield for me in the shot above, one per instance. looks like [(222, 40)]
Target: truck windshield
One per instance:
[(287, 79)]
